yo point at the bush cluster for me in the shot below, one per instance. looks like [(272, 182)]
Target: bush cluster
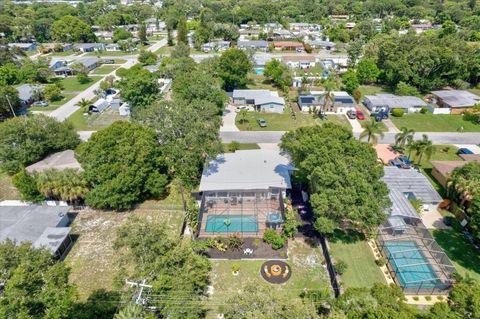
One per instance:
[(273, 238)]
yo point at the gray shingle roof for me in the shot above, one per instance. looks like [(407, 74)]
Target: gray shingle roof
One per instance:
[(395, 101), (259, 96), (457, 98), (410, 181)]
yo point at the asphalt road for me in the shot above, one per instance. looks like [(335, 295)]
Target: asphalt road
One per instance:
[(389, 138)]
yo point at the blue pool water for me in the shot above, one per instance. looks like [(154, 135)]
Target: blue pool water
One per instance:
[(259, 71), (232, 223), (419, 274)]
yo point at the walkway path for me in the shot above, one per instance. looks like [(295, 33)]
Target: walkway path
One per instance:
[(391, 127), (356, 126)]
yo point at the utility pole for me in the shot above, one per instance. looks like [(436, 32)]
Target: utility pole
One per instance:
[(137, 295), (11, 107)]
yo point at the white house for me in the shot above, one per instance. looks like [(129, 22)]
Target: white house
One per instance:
[(299, 61), (263, 100), (386, 101), (216, 46)]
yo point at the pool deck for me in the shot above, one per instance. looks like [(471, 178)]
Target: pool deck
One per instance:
[(258, 208)]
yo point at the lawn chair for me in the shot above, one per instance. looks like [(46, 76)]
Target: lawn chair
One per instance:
[(287, 270), (265, 269)]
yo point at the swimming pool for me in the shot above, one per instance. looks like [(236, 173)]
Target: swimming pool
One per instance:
[(231, 223), (410, 265), (259, 71)]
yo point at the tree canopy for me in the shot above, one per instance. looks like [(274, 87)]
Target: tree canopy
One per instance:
[(123, 165), (234, 66), (343, 175), (27, 139), (139, 86)]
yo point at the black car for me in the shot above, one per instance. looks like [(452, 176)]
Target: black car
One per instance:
[(352, 114)]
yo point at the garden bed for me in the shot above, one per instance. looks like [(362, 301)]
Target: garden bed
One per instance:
[(261, 250)]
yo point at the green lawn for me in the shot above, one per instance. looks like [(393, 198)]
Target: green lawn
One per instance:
[(7, 190), (284, 121), (120, 61), (355, 252), (72, 84), (305, 262), (64, 53), (372, 89), (105, 69), (93, 122), (434, 123), (463, 255), (111, 53), (54, 105), (243, 146), (164, 50)]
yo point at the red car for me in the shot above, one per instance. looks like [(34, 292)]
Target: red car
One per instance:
[(360, 115)]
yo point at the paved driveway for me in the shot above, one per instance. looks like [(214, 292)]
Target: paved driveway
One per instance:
[(433, 220), (228, 119)]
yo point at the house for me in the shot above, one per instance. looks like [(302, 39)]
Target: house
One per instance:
[(104, 35), (299, 61), (350, 25), (442, 170), (287, 45), (320, 44), (250, 33), (27, 93), (56, 64), (24, 46), (458, 101), (281, 35), (301, 26), (242, 193), (268, 27), (386, 101), (218, 45), (404, 240), (43, 226), (260, 45), (89, 47), (154, 25), (339, 17), (58, 161), (89, 63), (113, 47), (342, 103), (99, 106), (263, 100), (411, 183)]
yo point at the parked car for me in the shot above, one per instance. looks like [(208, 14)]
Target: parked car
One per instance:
[(404, 160), (380, 115), (360, 115), (352, 115), (447, 221), (239, 108), (399, 164), (464, 151), (40, 103), (262, 122)]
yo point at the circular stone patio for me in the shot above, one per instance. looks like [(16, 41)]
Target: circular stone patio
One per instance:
[(276, 271)]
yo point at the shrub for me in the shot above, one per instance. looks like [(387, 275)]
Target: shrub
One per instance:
[(428, 298), (233, 146), (83, 78), (416, 298), (398, 112), (381, 262), (235, 242), (424, 110), (27, 186), (440, 297), (257, 242), (235, 267), (341, 267), (291, 225), (273, 238)]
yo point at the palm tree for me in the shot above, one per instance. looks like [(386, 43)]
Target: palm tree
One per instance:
[(372, 131), (404, 137), (424, 147), (130, 312), (84, 104)]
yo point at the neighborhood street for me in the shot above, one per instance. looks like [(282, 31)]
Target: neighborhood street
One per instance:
[(389, 138)]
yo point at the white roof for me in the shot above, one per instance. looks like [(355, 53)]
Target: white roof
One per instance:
[(247, 170)]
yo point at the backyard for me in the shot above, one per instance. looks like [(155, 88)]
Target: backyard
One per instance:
[(353, 249), (7, 190), (434, 123), (284, 121), (464, 256), (307, 272), (92, 259)]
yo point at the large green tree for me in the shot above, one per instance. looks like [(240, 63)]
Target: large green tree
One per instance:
[(72, 29), (234, 66), (36, 285), (27, 139), (139, 86), (278, 73), (343, 175), (179, 276), (123, 165)]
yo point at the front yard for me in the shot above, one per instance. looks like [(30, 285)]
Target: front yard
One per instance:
[(94, 122), (284, 121), (434, 123), (55, 104), (7, 190), (105, 69), (353, 249), (72, 84), (306, 266)]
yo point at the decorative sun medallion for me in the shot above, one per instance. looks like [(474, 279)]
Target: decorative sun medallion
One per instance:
[(276, 271)]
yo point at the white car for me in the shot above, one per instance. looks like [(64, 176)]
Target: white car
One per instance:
[(40, 103), (239, 108)]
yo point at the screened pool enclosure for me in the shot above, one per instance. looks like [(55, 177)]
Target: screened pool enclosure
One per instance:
[(242, 213)]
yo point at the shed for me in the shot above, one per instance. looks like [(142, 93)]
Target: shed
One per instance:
[(99, 106)]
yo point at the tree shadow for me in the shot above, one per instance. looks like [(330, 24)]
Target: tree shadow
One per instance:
[(101, 304), (346, 236)]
